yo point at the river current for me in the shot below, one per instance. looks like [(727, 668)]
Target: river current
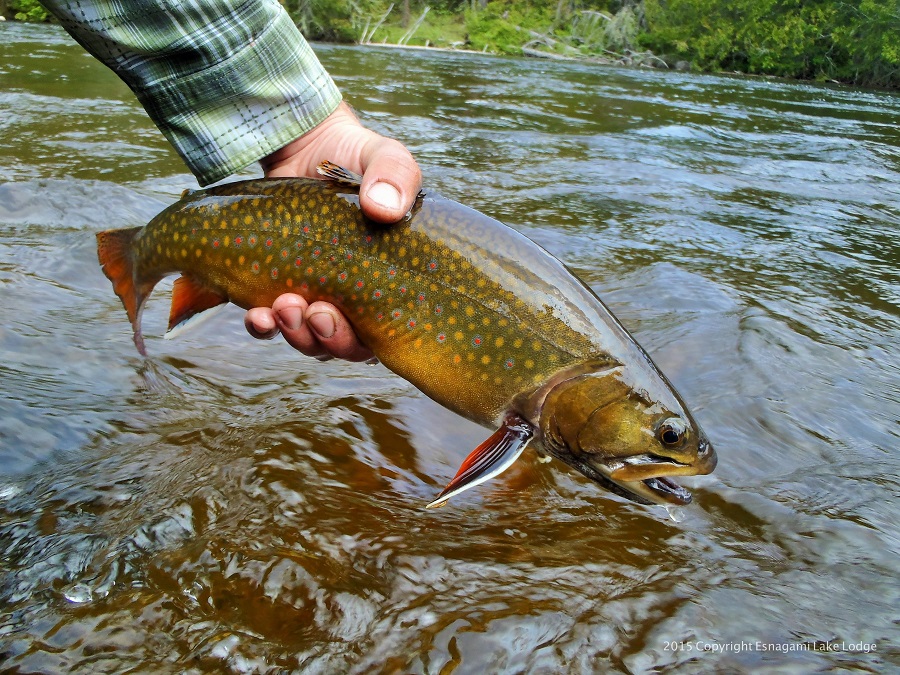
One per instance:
[(227, 505)]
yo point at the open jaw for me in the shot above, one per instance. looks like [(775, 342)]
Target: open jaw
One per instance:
[(657, 489)]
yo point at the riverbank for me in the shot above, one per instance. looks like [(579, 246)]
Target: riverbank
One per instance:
[(851, 42)]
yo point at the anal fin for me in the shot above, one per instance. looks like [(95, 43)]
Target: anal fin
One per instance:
[(191, 302), (489, 459)]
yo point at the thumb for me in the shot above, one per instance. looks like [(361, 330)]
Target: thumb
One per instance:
[(391, 180)]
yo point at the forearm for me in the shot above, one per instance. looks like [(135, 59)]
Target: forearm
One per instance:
[(227, 81)]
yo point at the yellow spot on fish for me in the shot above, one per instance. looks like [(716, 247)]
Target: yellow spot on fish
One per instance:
[(499, 342), (226, 241), (295, 202), (198, 252), (248, 220), (529, 364), (486, 321), (289, 282), (285, 231), (457, 358), (503, 322), (241, 260), (458, 335), (401, 251), (485, 359), (484, 377), (470, 311), (184, 253), (517, 343), (451, 320), (536, 346), (324, 209), (417, 343)]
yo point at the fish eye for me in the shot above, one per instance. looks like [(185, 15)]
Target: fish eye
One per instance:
[(672, 431)]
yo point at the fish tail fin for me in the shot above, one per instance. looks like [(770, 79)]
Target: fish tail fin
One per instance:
[(115, 251)]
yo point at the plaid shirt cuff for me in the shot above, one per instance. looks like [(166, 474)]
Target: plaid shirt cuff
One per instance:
[(228, 82)]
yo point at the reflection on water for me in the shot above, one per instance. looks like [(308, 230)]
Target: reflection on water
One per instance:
[(227, 505)]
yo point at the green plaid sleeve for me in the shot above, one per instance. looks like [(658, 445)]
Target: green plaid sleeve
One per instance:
[(227, 81)]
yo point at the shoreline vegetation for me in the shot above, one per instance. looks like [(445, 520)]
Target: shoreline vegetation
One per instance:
[(847, 41)]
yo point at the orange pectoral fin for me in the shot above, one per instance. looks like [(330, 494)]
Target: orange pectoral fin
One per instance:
[(190, 300), (489, 459)]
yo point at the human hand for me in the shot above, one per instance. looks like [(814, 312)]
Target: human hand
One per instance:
[(391, 181)]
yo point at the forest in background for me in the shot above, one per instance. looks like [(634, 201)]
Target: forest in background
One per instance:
[(850, 41)]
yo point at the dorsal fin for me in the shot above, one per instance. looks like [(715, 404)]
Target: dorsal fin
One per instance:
[(339, 174)]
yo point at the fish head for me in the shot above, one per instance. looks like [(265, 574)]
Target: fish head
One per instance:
[(621, 437)]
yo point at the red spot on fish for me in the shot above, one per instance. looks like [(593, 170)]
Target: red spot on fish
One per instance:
[(349, 256), (476, 341), (298, 262), (392, 272), (284, 253), (334, 241), (442, 337), (251, 239), (376, 294), (420, 297), (432, 265), (269, 242), (216, 243), (299, 244), (438, 309), (396, 314), (509, 364), (342, 276), (306, 229), (322, 280), (359, 283), (317, 253), (254, 267), (304, 286), (403, 289), (411, 323), (274, 272), (379, 316), (238, 241), (368, 238)]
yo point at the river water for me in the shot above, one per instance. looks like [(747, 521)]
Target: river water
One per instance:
[(227, 505)]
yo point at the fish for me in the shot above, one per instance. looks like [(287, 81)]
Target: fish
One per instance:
[(477, 316)]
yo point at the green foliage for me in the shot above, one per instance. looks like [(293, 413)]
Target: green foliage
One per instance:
[(503, 26), (852, 41), (28, 10)]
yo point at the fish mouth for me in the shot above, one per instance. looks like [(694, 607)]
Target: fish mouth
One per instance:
[(644, 479)]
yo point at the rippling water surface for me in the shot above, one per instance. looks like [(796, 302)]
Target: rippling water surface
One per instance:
[(227, 505)]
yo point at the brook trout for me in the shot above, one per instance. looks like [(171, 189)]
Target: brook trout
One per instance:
[(478, 317)]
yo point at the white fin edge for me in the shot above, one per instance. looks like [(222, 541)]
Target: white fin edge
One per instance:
[(440, 501), (193, 321)]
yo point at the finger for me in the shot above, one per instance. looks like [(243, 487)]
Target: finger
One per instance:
[(334, 333), (391, 180), (288, 311), (260, 323)]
